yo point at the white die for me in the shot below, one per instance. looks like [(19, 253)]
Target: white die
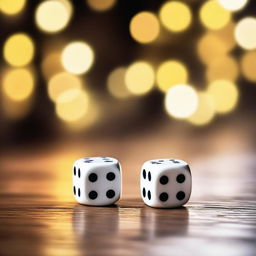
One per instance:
[(97, 180), (165, 183)]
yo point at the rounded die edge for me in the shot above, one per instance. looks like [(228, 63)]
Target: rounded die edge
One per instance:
[(95, 203)]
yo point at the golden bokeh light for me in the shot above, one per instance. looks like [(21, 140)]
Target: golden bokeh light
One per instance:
[(51, 65), (144, 27), (12, 7), (210, 47), (181, 101), (226, 35), (205, 111), (77, 57), (213, 15), (224, 94), (245, 33), (101, 5), (116, 83), (53, 15), (18, 84), (86, 121), (248, 65), (72, 105), (18, 50), (175, 16), (225, 67), (171, 73), (139, 78), (233, 5), (62, 82)]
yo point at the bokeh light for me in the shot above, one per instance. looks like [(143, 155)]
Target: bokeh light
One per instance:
[(90, 117), (72, 105), (116, 83), (213, 15), (62, 82), (53, 15), (171, 73), (18, 84), (175, 16), (205, 111), (18, 50), (12, 7), (181, 101), (139, 78), (144, 27), (101, 5), (233, 5), (224, 94), (248, 65), (77, 57), (51, 65), (225, 67), (226, 34), (210, 47), (245, 33)]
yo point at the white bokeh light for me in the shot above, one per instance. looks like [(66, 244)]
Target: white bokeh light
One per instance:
[(233, 5), (245, 33), (181, 101)]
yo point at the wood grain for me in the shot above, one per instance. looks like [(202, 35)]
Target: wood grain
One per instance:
[(38, 215)]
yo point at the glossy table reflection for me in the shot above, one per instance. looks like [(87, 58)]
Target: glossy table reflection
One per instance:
[(38, 215)]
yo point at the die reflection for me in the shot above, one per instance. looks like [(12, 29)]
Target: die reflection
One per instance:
[(158, 223), (95, 222)]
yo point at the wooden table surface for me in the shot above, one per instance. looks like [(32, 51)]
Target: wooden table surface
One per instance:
[(38, 215)]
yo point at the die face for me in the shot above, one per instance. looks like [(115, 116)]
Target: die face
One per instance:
[(97, 180), (148, 183), (170, 185)]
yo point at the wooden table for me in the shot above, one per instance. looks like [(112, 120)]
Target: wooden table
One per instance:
[(38, 215)]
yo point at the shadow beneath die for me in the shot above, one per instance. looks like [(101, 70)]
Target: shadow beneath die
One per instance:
[(159, 223)]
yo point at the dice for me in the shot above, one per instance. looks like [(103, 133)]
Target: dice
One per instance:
[(97, 180), (165, 183)]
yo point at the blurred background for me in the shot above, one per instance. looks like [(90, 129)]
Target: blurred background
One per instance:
[(114, 67), (132, 79)]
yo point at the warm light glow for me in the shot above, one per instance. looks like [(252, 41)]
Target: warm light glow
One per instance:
[(91, 116), (248, 65), (211, 47), (144, 27), (181, 101), (101, 5), (15, 110), (77, 57), (175, 16), (18, 50), (51, 65), (62, 82), (139, 78), (226, 35), (72, 105), (116, 83), (205, 111), (245, 33), (214, 16), (171, 73), (18, 84), (224, 94), (12, 7), (53, 15), (233, 5), (225, 67)]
